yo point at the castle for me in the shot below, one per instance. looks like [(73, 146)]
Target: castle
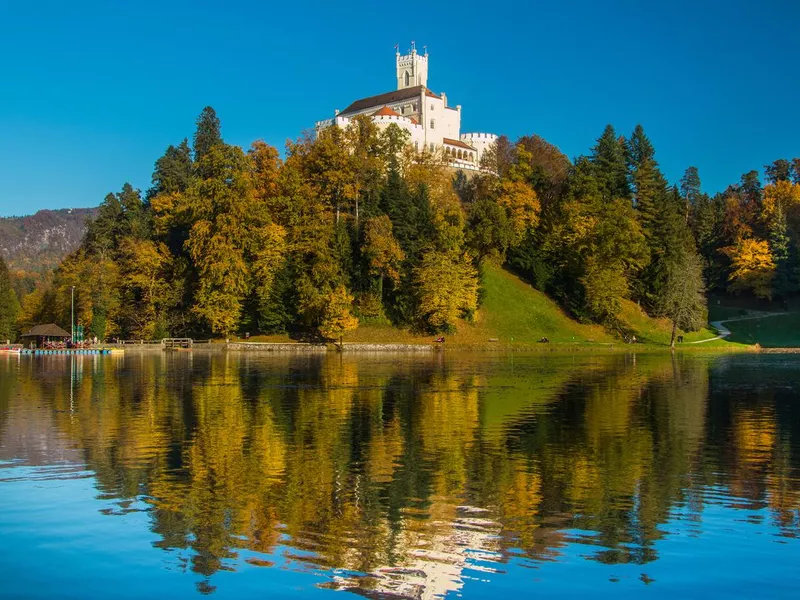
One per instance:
[(433, 125)]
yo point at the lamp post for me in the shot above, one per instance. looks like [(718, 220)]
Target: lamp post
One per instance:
[(72, 318)]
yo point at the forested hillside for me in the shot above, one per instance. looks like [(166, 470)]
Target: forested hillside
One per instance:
[(34, 245), (355, 226)]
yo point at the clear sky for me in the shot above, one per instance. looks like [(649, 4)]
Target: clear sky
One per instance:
[(91, 93)]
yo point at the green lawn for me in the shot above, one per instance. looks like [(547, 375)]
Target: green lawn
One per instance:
[(780, 331), (514, 313)]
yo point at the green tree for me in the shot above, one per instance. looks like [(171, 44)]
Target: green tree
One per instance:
[(784, 255), (683, 298), (780, 170), (690, 187), (9, 305), (172, 171), (206, 136), (608, 158), (488, 233)]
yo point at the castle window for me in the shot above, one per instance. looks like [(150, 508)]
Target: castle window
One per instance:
[(416, 146), (433, 124), (408, 78), (433, 146)]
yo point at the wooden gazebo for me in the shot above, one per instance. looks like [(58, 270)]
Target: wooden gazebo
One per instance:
[(41, 334)]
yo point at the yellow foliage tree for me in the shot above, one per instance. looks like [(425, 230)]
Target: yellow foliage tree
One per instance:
[(447, 285), (753, 268), (522, 207), (782, 196), (381, 249), (338, 318)]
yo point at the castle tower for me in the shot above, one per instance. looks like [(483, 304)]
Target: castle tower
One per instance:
[(412, 68)]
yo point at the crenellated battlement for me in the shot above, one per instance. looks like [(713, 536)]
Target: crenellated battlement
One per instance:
[(484, 137), (412, 68)]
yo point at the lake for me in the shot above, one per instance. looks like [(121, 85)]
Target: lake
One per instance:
[(448, 475)]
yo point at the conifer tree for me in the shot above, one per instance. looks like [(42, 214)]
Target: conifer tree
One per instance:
[(207, 135), (608, 157), (172, 171), (784, 255)]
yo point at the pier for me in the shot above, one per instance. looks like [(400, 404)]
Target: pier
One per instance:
[(65, 351)]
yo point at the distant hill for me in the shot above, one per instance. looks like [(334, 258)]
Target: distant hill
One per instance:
[(37, 243)]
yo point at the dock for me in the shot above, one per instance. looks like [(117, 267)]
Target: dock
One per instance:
[(65, 351)]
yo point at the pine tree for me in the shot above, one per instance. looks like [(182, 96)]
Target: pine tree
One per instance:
[(784, 255), (678, 287), (648, 183), (608, 157), (172, 171), (690, 190), (207, 134)]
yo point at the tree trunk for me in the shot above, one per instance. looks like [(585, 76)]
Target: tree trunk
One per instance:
[(674, 334)]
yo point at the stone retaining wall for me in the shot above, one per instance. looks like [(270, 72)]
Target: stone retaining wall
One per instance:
[(275, 347), (353, 347), (318, 348)]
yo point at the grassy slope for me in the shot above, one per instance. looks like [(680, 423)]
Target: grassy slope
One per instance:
[(515, 313), (659, 331)]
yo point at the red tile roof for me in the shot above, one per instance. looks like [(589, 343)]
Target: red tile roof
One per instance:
[(388, 98), (386, 112), (457, 143)]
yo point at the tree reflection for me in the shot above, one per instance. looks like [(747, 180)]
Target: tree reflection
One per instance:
[(399, 474)]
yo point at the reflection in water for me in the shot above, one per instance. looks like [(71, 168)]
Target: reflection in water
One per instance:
[(410, 476)]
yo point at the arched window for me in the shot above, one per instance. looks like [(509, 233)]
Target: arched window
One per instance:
[(459, 154), (408, 78)]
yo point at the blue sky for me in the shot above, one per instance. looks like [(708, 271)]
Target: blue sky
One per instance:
[(91, 93)]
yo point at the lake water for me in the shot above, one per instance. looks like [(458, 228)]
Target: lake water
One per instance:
[(178, 474)]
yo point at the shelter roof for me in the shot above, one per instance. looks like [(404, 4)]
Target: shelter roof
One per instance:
[(49, 330)]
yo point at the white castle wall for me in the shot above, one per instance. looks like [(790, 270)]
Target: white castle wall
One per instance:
[(480, 141)]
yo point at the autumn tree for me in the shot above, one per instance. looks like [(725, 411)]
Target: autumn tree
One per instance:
[(383, 253), (337, 318), (447, 288), (753, 267)]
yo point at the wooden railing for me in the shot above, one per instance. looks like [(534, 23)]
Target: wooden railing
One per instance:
[(177, 343)]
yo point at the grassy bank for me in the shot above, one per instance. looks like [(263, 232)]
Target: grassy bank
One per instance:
[(515, 315)]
